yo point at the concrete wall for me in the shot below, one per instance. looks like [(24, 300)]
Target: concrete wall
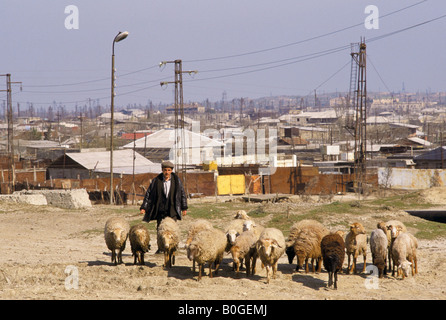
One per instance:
[(411, 179)]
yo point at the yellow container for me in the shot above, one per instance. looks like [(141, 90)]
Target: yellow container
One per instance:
[(231, 184)]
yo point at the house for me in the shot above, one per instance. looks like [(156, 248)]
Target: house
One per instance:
[(86, 165), (433, 159), (161, 145)]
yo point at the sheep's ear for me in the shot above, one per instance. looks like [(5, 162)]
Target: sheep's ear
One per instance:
[(276, 244)]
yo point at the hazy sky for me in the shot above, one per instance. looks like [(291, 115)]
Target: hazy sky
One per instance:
[(246, 48)]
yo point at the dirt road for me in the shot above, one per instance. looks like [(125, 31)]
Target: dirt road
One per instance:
[(53, 253)]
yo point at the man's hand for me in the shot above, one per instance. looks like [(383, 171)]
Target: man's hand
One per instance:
[(184, 212), (142, 211)]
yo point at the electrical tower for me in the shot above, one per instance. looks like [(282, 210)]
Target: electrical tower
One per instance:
[(356, 124), (180, 139), (11, 165)]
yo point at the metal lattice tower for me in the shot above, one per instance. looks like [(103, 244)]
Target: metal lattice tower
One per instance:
[(357, 102)]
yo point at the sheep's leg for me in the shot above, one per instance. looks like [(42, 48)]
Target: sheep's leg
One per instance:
[(363, 268), (141, 258), (254, 261), (330, 279), (274, 270), (348, 265), (353, 269), (313, 265), (335, 280), (319, 265), (268, 271), (120, 256), (248, 265), (200, 268), (307, 269)]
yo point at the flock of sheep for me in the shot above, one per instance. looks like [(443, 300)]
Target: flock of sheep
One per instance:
[(247, 241)]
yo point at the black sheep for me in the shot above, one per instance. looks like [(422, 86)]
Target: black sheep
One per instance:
[(333, 253)]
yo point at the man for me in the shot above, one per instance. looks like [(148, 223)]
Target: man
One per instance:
[(165, 197)]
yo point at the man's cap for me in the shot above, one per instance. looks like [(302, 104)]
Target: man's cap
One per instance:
[(167, 164)]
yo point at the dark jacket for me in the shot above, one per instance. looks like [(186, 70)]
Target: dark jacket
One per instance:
[(153, 195)]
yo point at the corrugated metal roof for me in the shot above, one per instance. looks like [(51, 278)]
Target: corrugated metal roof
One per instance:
[(433, 155), (100, 161), (165, 139)]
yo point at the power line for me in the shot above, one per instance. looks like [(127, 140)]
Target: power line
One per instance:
[(304, 40)]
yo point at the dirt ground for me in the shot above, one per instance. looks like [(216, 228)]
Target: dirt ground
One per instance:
[(44, 250)]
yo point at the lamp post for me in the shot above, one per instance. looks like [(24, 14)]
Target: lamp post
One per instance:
[(120, 36)]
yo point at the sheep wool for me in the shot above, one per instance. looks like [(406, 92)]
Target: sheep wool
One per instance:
[(208, 246), (244, 248), (139, 242), (404, 254), (307, 245), (168, 239), (196, 227), (270, 247), (378, 248), (116, 233), (333, 254), (356, 244)]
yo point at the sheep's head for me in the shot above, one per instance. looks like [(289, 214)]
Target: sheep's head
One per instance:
[(241, 214), (248, 225), (119, 236), (168, 239), (267, 246), (231, 235), (395, 231), (192, 251), (405, 267), (357, 228), (301, 255), (290, 250)]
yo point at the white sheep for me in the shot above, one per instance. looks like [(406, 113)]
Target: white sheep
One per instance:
[(245, 248), (196, 227), (251, 225), (270, 247), (139, 242), (168, 238), (404, 254), (356, 244), (207, 246), (378, 248), (392, 228), (241, 214), (116, 232)]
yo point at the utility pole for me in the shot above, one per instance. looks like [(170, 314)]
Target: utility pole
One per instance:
[(358, 100), (179, 122), (9, 117)]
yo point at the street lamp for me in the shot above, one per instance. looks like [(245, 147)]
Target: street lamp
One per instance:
[(120, 36)]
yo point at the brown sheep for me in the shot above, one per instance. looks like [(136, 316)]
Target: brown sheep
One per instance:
[(333, 254), (307, 245), (244, 248), (139, 242), (356, 244)]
